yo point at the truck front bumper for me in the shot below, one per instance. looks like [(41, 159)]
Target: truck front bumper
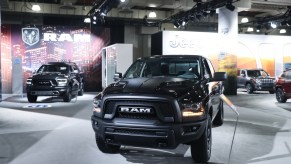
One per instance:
[(145, 133)]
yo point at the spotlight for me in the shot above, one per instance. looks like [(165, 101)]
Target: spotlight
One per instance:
[(122, 0), (94, 22), (94, 17), (273, 25), (258, 28), (229, 6), (212, 12), (35, 8), (176, 24), (284, 23), (250, 29), (87, 20)]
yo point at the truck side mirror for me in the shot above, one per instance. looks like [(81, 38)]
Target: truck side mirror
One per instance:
[(219, 76), (117, 76)]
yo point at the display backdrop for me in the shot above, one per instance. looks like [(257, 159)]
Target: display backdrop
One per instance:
[(30, 47), (251, 51)]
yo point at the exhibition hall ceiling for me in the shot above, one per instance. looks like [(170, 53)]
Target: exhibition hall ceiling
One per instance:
[(133, 10)]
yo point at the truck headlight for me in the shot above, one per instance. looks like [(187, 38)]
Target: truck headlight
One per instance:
[(192, 110), (29, 81), (62, 81), (96, 105)]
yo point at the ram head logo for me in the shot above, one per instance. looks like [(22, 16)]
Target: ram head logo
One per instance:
[(30, 36)]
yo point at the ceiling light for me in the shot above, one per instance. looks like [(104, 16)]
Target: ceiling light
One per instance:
[(282, 31), (103, 14), (244, 20), (176, 25), (35, 8), (250, 29), (152, 14), (273, 25), (87, 20), (122, 0)]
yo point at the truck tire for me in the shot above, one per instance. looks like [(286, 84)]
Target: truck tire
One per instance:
[(106, 148), (81, 91), (218, 120), (201, 148), (280, 96), (68, 95), (31, 98)]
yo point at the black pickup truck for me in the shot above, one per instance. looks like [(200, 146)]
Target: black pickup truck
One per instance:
[(161, 102), (62, 79)]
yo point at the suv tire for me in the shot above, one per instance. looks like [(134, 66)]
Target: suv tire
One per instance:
[(68, 95), (249, 88), (280, 96), (201, 148), (31, 98), (81, 92), (218, 120), (106, 148)]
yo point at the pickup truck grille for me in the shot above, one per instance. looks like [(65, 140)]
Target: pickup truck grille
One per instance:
[(42, 82), (162, 108)]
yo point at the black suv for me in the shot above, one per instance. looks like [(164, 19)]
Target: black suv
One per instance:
[(161, 102), (255, 80), (55, 79)]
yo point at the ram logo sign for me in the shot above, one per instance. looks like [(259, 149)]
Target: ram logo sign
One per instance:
[(135, 110), (30, 36), (66, 37)]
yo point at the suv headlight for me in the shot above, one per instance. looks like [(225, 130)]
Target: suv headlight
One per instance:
[(29, 81), (96, 106), (258, 81), (62, 81), (192, 110)]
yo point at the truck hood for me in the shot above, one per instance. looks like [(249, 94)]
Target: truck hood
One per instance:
[(157, 85), (47, 75)]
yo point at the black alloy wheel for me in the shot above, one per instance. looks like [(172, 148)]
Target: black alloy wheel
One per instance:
[(68, 95), (280, 96), (201, 148)]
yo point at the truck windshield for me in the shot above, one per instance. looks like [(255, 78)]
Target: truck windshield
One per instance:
[(188, 68), (257, 73), (53, 68)]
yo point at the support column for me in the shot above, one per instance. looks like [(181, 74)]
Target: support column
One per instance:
[(227, 59)]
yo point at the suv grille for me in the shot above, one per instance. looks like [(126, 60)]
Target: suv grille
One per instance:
[(42, 82), (162, 108), (267, 81)]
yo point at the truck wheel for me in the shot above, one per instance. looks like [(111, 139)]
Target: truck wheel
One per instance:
[(106, 148), (280, 96), (201, 148), (81, 91), (68, 95), (31, 98), (218, 120), (249, 88)]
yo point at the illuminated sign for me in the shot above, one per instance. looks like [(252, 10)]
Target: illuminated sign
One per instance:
[(181, 42), (66, 37), (30, 36)]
